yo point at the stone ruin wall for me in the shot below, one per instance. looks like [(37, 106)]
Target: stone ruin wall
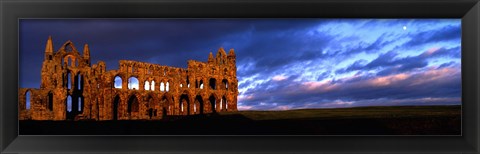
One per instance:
[(202, 88)]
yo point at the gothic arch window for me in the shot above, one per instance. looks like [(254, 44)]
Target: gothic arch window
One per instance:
[(28, 99), (117, 83), (162, 86), (69, 80), (147, 85), (225, 83), (133, 104), (69, 103), (133, 83), (167, 87), (69, 61), (50, 101), (194, 108), (213, 103), (80, 104), (221, 104), (152, 87), (79, 81), (224, 103), (213, 85)]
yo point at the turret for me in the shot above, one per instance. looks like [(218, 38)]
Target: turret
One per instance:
[(86, 54), (48, 66), (210, 58), (49, 49), (231, 53), (232, 57)]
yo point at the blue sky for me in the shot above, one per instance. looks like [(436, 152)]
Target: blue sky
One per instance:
[(281, 63)]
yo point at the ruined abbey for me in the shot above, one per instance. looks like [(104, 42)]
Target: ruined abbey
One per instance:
[(73, 89)]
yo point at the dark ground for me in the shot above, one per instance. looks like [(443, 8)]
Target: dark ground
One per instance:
[(412, 120)]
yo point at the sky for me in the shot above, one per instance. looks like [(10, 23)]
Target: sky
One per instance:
[(282, 64)]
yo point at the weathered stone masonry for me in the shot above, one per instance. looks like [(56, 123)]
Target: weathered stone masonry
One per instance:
[(202, 88)]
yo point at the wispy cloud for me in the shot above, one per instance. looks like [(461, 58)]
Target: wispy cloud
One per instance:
[(281, 63)]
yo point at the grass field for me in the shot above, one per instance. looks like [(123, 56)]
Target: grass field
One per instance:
[(399, 120), (357, 112)]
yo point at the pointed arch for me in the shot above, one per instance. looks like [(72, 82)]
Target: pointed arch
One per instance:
[(50, 101), (133, 104), (166, 105), (225, 84), (167, 86), (188, 82), (133, 83), (213, 84), (80, 104), (146, 85), (212, 103), (150, 104), (28, 98), (117, 82), (184, 104), (224, 103), (162, 86), (69, 80), (79, 83), (198, 105), (115, 109), (68, 47), (152, 87), (69, 103)]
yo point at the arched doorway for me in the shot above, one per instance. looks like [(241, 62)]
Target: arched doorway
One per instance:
[(224, 103), (212, 103), (151, 110), (116, 102), (165, 105), (198, 105), (50, 101), (133, 106), (184, 105)]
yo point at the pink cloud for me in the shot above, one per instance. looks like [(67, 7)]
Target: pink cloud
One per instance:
[(387, 80), (319, 85), (279, 78), (243, 107), (430, 51), (436, 74), (245, 98)]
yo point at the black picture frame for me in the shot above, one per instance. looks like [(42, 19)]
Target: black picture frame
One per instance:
[(467, 10)]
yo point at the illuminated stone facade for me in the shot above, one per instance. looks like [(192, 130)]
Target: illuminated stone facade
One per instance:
[(73, 89)]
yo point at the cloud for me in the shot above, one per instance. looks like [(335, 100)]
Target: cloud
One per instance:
[(446, 33), (281, 63)]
